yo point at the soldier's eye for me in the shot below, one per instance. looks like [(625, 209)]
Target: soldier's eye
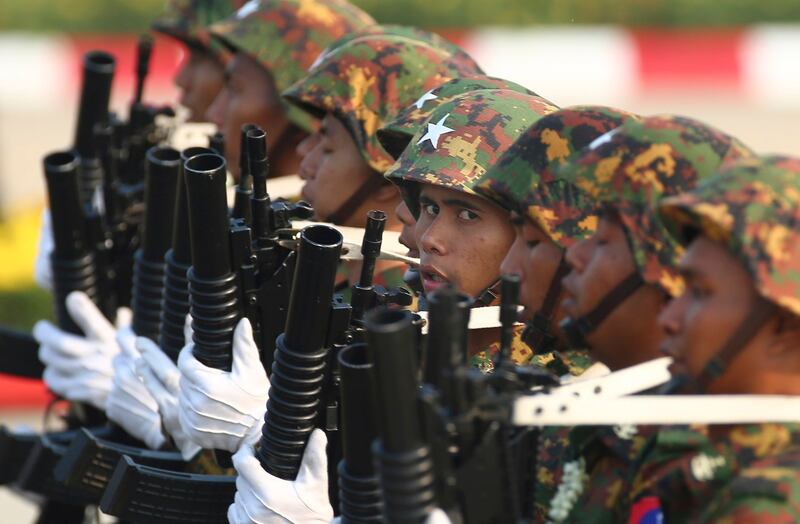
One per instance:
[(532, 243), (466, 214), (431, 209)]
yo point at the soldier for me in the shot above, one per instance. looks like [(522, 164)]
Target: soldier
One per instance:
[(396, 65), (548, 216), (396, 135), (462, 237), (201, 74), (620, 279), (357, 85), (734, 330), (274, 43)]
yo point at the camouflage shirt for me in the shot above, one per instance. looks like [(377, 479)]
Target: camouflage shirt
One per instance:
[(750, 473)]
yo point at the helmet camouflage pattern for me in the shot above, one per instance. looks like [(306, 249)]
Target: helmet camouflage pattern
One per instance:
[(188, 21), (462, 139), (395, 135), (630, 168), (523, 178), (753, 208), (285, 36), (368, 79), (458, 55)]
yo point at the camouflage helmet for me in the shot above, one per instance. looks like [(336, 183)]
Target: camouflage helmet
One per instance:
[(189, 20), (462, 139), (523, 179), (630, 168), (285, 36), (396, 134), (368, 79), (753, 208), (466, 62)]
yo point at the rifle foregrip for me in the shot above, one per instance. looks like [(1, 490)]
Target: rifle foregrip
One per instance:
[(213, 293), (404, 459), (72, 261), (161, 175), (298, 371)]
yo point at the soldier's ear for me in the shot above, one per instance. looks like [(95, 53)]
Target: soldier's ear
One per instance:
[(783, 344), (387, 193)]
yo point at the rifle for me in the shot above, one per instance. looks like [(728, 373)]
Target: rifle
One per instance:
[(359, 486), (86, 464), (467, 449)]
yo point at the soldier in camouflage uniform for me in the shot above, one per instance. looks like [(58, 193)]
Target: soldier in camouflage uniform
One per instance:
[(353, 88), (546, 224), (735, 330), (628, 267), (461, 236), (560, 216), (274, 43), (202, 71), (395, 136)]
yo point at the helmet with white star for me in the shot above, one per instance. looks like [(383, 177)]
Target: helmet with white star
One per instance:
[(463, 138), (396, 135), (367, 79)]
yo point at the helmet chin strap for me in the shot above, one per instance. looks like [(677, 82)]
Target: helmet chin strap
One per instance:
[(537, 330), (488, 296), (345, 211), (577, 329), (761, 311)]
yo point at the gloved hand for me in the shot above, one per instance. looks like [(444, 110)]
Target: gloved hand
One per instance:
[(160, 376), (221, 409), (438, 516), (262, 498), (79, 368), (130, 404), (42, 272)]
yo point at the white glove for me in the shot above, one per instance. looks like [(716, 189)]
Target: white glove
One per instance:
[(130, 404), (161, 376), (438, 516), (265, 499), (42, 272), (221, 409), (79, 368)]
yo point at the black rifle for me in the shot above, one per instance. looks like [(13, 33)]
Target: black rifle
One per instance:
[(403, 457), (86, 464), (468, 449), (359, 486)]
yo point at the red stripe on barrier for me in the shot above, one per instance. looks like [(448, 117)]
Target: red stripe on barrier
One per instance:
[(164, 62), (689, 58), (22, 393)]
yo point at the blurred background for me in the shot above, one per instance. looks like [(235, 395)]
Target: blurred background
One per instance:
[(732, 63)]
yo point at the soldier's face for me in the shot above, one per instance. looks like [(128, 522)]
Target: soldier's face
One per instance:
[(407, 233), (249, 97), (718, 296), (534, 257), (629, 335), (200, 79), (462, 239), (332, 169)]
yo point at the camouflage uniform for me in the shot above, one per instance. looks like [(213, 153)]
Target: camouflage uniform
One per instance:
[(527, 168), (478, 127), (748, 472), (368, 78), (285, 36), (629, 170), (188, 22), (395, 136)]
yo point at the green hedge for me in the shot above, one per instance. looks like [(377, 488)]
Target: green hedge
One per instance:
[(135, 15)]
